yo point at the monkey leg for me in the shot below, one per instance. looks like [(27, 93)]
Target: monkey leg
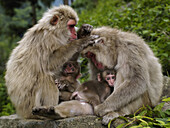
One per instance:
[(48, 112), (64, 110)]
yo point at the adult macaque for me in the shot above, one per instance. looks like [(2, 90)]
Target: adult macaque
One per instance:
[(138, 72), (69, 75), (87, 96), (36, 62)]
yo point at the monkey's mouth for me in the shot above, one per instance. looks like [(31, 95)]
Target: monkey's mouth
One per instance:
[(92, 57)]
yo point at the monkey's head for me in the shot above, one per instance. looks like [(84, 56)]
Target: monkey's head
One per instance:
[(60, 20), (71, 68), (108, 76), (103, 53)]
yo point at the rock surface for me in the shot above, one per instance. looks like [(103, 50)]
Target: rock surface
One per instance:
[(76, 122)]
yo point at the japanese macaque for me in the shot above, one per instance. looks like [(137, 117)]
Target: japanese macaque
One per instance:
[(108, 76), (138, 72), (69, 75), (96, 91), (35, 63), (87, 96)]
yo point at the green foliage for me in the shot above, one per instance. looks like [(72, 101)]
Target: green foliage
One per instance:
[(81, 5), (6, 107), (146, 117), (147, 18)]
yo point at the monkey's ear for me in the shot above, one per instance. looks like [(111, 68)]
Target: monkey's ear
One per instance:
[(54, 20)]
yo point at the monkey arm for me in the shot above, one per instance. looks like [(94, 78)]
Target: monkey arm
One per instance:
[(65, 95), (64, 53), (131, 83)]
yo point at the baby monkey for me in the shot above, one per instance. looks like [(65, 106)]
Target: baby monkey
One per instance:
[(69, 75), (87, 96), (95, 92)]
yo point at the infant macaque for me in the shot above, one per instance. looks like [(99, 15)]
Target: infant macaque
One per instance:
[(95, 92), (86, 96), (69, 75)]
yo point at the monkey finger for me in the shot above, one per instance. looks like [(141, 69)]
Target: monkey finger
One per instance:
[(100, 110), (106, 119), (89, 29), (94, 37), (110, 116)]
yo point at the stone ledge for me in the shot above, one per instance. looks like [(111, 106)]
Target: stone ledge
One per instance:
[(75, 122)]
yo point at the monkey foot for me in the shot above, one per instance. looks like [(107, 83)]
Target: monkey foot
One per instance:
[(48, 112)]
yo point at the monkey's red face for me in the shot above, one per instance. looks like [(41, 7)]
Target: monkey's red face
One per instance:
[(110, 78), (71, 26)]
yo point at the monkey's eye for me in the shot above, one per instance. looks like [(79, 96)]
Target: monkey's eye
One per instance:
[(113, 77), (91, 54), (70, 65), (72, 26), (108, 78)]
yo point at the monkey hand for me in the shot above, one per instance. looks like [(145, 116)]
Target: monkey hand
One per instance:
[(110, 116), (84, 31), (101, 110), (48, 112), (89, 41), (61, 84)]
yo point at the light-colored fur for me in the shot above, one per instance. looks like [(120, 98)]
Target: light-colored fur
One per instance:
[(37, 60), (139, 76), (73, 108)]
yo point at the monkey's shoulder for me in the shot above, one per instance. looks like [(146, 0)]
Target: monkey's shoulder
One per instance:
[(95, 84)]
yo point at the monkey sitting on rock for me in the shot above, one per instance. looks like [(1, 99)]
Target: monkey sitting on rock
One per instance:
[(35, 63), (87, 96)]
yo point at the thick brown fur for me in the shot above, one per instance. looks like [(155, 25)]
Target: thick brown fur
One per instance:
[(139, 76), (35, 63)]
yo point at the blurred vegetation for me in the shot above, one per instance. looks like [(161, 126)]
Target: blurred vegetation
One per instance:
[(147, 18)]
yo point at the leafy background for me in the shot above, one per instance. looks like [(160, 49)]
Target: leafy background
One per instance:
[(148, 18)]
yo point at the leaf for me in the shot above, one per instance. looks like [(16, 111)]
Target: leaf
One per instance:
[(160, 121), (166, 99), (124, 118), (121, 125), (142, 113), (140, 117), (162, 114), (159, 107), (110, 122), (143, 121), (145, 31)]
